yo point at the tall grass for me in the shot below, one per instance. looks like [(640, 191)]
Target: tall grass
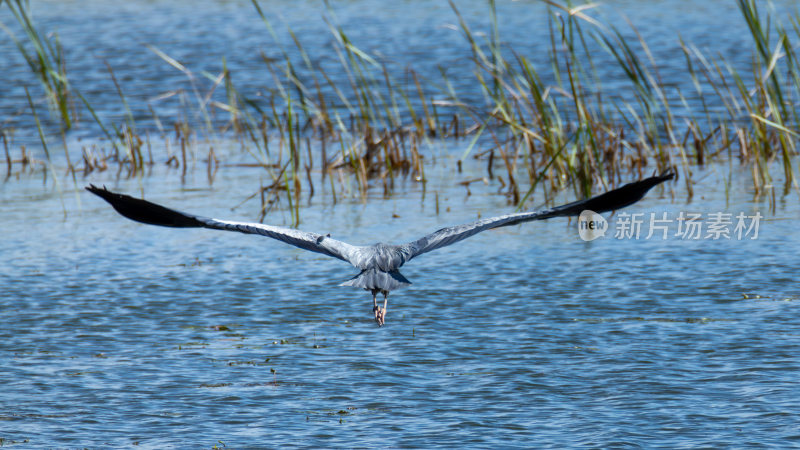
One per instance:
[(536, 127), (46, 61)]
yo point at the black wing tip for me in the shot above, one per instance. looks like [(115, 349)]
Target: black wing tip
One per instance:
[(666, 174), (649, 182), (144, 211), (618, 198), (103, 192)]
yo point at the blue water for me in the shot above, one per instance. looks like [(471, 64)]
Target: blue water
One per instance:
[(119, 334), (422, 35)]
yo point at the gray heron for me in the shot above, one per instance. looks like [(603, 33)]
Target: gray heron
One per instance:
[(378, 264)]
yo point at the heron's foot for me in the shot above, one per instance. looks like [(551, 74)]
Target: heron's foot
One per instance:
[(380, 315)]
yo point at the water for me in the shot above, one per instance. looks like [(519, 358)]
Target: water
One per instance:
[(424, 36), (117, 333)]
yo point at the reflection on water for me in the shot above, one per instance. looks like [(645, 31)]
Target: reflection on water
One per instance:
[(118, 333)]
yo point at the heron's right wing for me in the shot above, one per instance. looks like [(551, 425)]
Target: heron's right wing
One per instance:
[(609, 201), (153, 214)]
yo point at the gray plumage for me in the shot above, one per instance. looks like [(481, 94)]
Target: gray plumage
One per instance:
[(379, 263)]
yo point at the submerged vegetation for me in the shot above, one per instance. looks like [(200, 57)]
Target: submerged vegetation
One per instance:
[(536, 128)]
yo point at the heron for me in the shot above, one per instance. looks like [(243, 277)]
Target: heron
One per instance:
[(379, 263)]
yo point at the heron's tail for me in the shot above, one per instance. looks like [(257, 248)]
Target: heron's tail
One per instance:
[(370, 279)]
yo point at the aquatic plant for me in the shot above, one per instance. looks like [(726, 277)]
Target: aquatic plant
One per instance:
[(46, 61), (538, 128)]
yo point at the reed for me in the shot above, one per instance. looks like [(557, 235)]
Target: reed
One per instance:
[(46, 61), (536, 128)]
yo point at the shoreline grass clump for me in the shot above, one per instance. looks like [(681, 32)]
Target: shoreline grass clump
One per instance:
[(362, 123), (47, 62)]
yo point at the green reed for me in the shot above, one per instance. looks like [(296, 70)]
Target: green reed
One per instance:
[(537, 127), (46, 61)]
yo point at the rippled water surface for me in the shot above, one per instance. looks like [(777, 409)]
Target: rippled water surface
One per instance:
[(120, 333), (116, 333), (423, 35)]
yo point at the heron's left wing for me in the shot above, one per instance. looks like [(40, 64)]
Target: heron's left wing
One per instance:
[(609, 201), (153, 214)]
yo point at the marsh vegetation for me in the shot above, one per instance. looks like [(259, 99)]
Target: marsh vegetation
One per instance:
[(360, 122)]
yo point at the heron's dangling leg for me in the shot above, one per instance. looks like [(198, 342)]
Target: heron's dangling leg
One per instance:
[(375, 308), (383, 311), (380, 313)]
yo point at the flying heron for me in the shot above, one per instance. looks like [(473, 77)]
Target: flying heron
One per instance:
[(379, 263)]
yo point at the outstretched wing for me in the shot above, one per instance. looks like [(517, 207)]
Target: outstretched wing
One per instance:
[(153, 214), (609, 201)]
